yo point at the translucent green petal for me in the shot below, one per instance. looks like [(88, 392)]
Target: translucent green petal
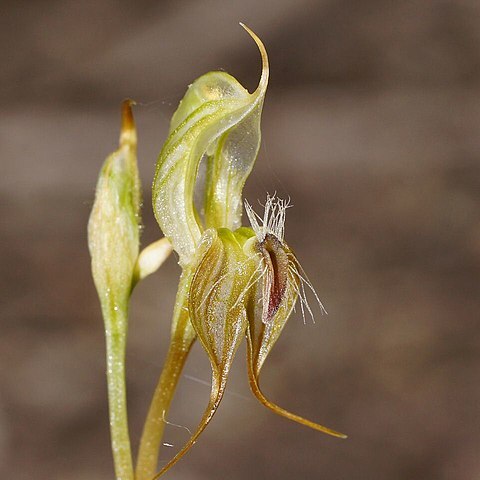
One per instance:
[(230, 164), (220, 119), (212, 86)]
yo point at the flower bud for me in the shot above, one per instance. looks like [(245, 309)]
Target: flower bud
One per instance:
[(218, 297), (113, 228)]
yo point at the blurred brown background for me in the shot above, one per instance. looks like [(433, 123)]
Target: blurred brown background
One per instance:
[(371, 125)]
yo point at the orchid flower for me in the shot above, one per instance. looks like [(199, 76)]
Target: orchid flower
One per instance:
[(236, 282)]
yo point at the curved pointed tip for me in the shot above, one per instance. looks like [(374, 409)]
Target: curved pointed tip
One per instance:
[(255, 387), (215, 399), (291, 416), (128, 132), (262, 84)]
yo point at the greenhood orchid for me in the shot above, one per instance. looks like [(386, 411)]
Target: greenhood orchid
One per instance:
[(237, 282)]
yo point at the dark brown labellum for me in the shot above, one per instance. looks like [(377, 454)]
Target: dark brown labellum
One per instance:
[(276, 275)]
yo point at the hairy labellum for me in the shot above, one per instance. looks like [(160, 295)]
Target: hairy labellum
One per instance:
[(275, 258), (273, 295)]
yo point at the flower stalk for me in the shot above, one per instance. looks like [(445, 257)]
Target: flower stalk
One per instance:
[(182, 338)]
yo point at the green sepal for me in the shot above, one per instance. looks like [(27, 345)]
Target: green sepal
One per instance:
[(217, 297)]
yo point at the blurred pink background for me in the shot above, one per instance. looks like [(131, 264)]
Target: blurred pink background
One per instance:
[(371, 126)]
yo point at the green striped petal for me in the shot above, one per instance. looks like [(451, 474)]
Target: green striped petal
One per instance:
[(219, 120)]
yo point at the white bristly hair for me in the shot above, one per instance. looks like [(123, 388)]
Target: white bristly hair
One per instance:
[(273, 222)]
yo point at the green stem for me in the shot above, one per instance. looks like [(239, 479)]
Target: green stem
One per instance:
[(181, 341), (116, 327)]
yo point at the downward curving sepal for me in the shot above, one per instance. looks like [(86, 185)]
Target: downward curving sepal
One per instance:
[(220, 285), (273, 297)]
